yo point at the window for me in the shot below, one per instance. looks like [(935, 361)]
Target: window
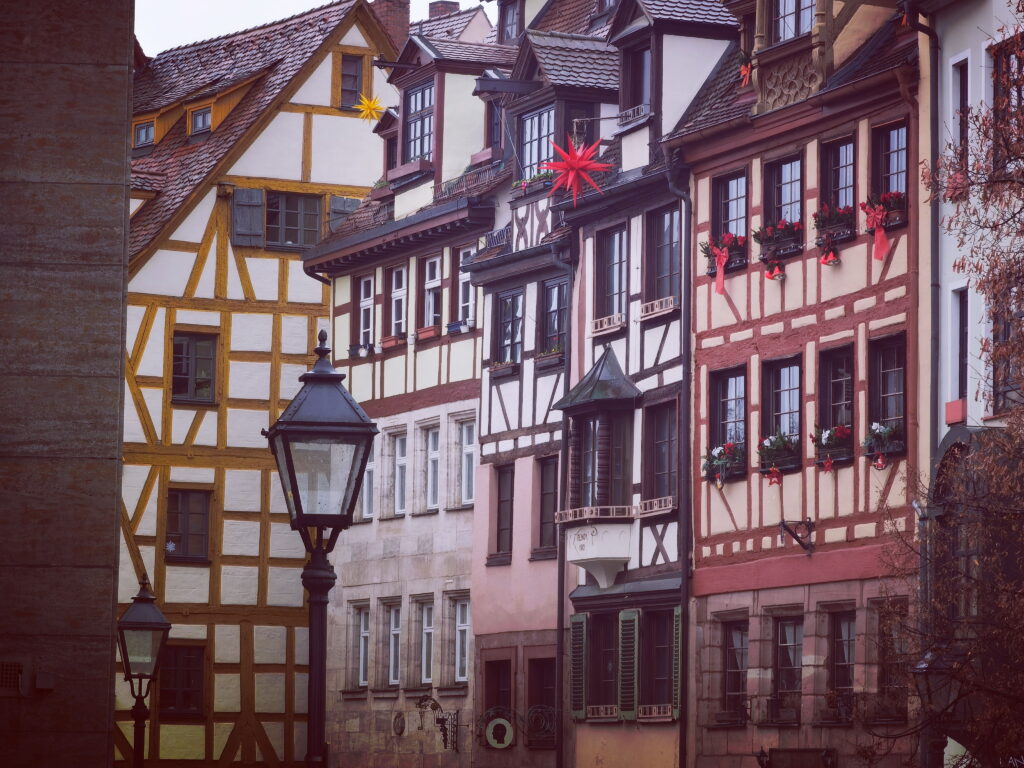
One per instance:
[(1006, 378), (611, 273), (365, 311), (396, 278), (783, 191), (461, 641), (660, 451), (728, 407), (836, 388), (841, 657), (554, 318), (467, 293), (503, 521), (192, 376), (362, 646), (961, 306), (498, 684), (467, 447), (839, 172), (736, 636), (394, 613), (961, 87), (1007, 96), (494, 124), (892, 657), (200, 120), (886, 385), (293, 221), (509, 341), (419, 122), (351, 79), (657, 633), (603, 444), (540, 702), (143, 134), (426, 642), (791, 18), (432, 292), (398, 446), (663, 243), (730, 205), (188, 525), (432, 450), (891, 159), (782, 399), (788, 668), (637, 78), (391, 152), (181, 681), (508, 22), (548, 501), (366, 491), (603, 665), (536, 131)]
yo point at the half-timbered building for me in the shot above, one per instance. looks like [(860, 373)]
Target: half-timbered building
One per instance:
[(807, 402), (407, 329), (246, 150)]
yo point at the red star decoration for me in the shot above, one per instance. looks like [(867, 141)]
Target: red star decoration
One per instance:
[(774, 476), (880, 461), (827, 464), (574, 168)]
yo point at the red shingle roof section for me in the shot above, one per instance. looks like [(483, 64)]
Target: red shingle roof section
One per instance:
[(481, 53), (570, 16), (277, 50), (694, 11), (575, 60), (720, 99), (450, 26)]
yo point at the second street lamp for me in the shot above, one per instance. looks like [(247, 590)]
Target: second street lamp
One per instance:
[(321, 443)]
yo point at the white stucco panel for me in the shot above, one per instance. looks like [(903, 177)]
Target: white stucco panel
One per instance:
[(242, 490), (152, 360), (317, 87), (181, 420), (345, 152), (696, 56), (464, 136), (155, 405), (186, 584), (197, 317), (238, 585), (249, 380), (635, 150), (226, 644), (207, 279), (165, 273), (269, 644), (284, 587), (207, 433), (182, 742), (277, 152), (192, 229), (284, 542), (354, 36), (290, 385), (294, 334), (251, 332), (241, 537), (302, 288), (227, 695), (234, 285), (244, 428), (134, 315), (133, 477), (263, 276)]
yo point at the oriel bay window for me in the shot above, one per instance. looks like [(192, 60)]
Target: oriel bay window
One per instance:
[(602, 475), (536, 130), (419, 123), (610, 280)]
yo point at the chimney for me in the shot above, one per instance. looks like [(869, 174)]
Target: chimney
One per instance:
[(443, 8), (394, 17)]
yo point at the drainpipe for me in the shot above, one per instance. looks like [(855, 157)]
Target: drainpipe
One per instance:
[(679, 186), (911, 15)]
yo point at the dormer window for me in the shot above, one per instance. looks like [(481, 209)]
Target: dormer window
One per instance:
[(143, 134), (199, 119), (536, 131), (791, 18), (508, 22), (419, 122), (351, 79), (637, 79)]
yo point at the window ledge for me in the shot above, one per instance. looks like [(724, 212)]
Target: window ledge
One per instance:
[(544, 553), (461, 508), (396, 516), (424, 513), (455, 689), (502, 558), (408, 169), (354, 694), (658, 308), (416, 690), (385, 693), (211, 404), (503, 370), (771, 53), (363, 520), (606, 325), (201, 562)]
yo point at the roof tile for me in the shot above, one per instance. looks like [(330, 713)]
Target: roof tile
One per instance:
[(576, 60)]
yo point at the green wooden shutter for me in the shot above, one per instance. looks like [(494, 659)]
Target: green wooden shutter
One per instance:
[(629, 661), (678, 668), (247, 217), (578, 665)]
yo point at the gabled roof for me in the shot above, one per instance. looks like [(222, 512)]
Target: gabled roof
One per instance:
[(603, 383), (450, 25), (570, 16), (274, 53), (693, 11), (575, 60), (471, 53)]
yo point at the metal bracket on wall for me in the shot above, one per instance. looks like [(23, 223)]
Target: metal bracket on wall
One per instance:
[(800, 530), (447, 722)]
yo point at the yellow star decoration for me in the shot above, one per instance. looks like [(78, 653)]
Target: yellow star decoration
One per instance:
[(369, 109)]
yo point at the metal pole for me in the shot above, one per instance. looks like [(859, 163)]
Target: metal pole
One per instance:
[(318, 578), (141, 713)]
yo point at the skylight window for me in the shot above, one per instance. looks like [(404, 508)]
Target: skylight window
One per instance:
[(143, 134), (201, 120)]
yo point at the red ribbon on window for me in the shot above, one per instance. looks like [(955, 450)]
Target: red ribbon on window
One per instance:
[(721, 257), (876, 221), (745, 74)]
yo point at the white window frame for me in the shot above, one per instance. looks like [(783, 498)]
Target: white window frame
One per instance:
[(426, 642), (399, 290), (363, 645), (399, 446), (432, 291), (467, 461), (462, 628), (467, 293), (366, 311), (432, 466), (366, 492), (394, 644)]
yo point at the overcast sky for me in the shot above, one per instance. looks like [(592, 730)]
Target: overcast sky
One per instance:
[(160, 25)]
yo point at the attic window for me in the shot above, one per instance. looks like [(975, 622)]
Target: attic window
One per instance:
[(200, 120), (791, 18), (508, 22), (143, 134)]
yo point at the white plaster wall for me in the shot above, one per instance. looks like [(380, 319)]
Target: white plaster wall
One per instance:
[(464, 135), (284, 587), (244, 428), (290, 385), (226, 643), (242, 490), (238, 584), (294, 334), (227, 695), (263, 276), (192, 228), (269, 644), (197, 317), (284, 542), (635, 149), (354, 36), (186, 584), (302, 288), (165, 273), (251, 332), (317, 87), (276, 153), (241, 537), (345, 151), (477, 29), (182, 742), (249, 380), (134, 205), (696, 57)]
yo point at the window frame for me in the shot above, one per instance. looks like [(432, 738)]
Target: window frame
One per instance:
[(588, 442), (367, 305), (882, 147), (185, 555), (547, 470), (602, 687), (432, 467), (841, 666), (1007, 390), (802, 13), (656, 417), (397, 300), (305, 207), (366, 491), (659, 283), (509, 22), (352, 100), (418, 144), (734, 677), (467, 463), (206, 124), (833, 169), (512, 351), (504, 482), (400, 473), (877, 348), (173, 689), (535, 146), (426, 610), (828, 360), (553, 327), (462, 639), (774, 412), (190, 340), (394, 640), (146, 142), (431, 301), (778, 646), (779, 202), (719, 381), (656, 649), (465, 305), (611, 279), (723, 215), (362, 644), (637, 76)]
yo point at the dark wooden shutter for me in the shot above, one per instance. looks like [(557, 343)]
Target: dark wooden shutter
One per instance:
[(578, 665), (247, 217), (341, 207), (629, 625), (678, 668)]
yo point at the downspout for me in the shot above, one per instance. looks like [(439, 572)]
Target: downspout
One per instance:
[(684, 532), (911, 16)]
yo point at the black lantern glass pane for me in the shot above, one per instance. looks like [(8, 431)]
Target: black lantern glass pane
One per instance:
[(143, 648), (325, 473), (281, 455)]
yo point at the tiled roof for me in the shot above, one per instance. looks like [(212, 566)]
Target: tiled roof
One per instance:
[(451, 25), (277, 50), (485, 53), (720, 99), (147, 182), (698, 11), (576, 60), (886, 49), (571, 16)]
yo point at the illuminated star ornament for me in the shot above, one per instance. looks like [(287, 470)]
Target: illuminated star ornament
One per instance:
[(574, 168), (369, 109), (774, 476)]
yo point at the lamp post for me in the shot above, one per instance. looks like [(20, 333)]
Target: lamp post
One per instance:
[(321, 444), (141, 634), (937, 677)]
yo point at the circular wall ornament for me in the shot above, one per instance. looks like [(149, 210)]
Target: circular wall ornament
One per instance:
[(398, 723), (498, 733)]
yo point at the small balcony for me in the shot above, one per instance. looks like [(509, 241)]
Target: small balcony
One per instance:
[(601, 548)]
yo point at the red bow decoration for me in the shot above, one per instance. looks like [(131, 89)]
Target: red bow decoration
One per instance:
[(827, 464), (774, 271), (574, 168), (829, 256), (880, 461), (745, 74), (876, 221), (774, 476), (721, 257)]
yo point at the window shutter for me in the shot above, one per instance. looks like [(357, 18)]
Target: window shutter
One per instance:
[(575, 469), (677, 660), (629, 621), (604, 459), (247, 217), (578, 665), (341, 207)]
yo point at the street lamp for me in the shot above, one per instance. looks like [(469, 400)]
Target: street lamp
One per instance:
[(321, 444), (937, 677), (141, 634)]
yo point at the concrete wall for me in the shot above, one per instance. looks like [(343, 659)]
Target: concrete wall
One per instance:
[(63, 174)]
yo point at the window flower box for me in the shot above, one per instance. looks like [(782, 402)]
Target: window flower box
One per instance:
[(504, 369), (834, 226), (360, 350), (883, 441), (381, 192), (390, 342), (537, 183), (780, 241), (735, 252), (832, 445), (430, 332), (725, 462), (889, 207), (781, 452), (460, 326), (552, 358)]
